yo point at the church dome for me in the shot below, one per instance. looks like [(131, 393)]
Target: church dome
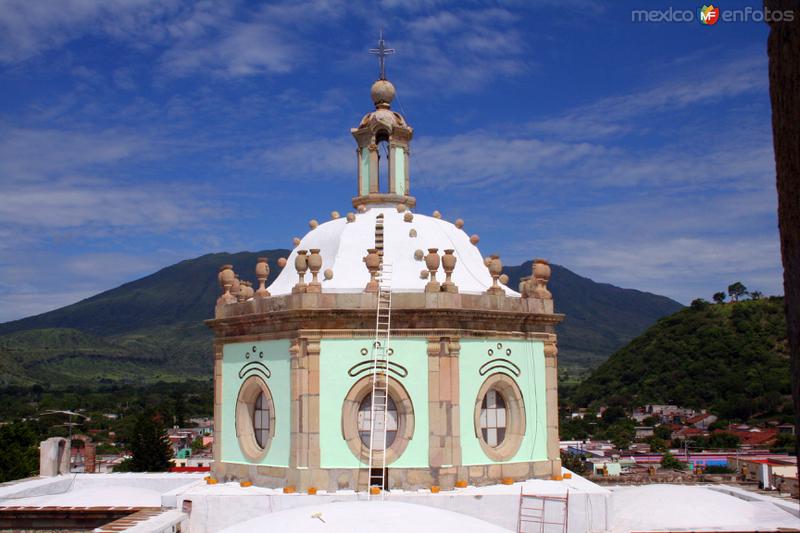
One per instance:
[(343, 244)]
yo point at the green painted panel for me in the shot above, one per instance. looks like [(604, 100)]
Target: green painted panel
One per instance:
[(337, 356), (528, 356), (399, 170), (277, 359), (363, 171)]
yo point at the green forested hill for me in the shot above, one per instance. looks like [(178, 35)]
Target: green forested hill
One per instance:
[(730, 357), (152, 329)]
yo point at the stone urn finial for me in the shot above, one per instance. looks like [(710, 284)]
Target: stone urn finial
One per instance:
[(525, 286), (301, 265), (540, 276), (237, 287), (226, 278), (432, 261), (262, 273), (314, 264), (373, 262), (495, 269), (247, 291), (449, 264)]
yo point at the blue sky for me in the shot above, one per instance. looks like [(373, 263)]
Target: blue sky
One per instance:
[(137, 133)]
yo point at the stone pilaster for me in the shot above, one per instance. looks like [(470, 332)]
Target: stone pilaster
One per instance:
[(444, 440), (374, 186), (217, 447), (551, 390), (304, 458)]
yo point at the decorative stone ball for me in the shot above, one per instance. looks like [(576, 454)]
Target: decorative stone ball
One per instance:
[(459, 223), (437, 214), (475, 238), (362, 208), (541, 269), (504, 279), (408, 217), (418, 255), (282, 262), (296, 241), (351, 217), (412, 233), (313, 223), (401, 208), (382, 92), (487, 261), (335, 215), (423, 274), (328, 274)]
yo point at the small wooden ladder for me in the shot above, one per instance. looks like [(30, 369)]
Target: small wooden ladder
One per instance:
[(534, 517)]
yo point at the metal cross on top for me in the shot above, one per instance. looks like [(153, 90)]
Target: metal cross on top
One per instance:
[(382, 52)]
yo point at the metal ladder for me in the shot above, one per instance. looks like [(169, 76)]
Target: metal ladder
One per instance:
[(533, 518), (380, 383)]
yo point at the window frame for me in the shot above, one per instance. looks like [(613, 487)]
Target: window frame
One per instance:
[(516, 421), (250, 390)]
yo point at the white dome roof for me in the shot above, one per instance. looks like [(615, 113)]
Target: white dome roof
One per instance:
[(343, 246), (367, 516)]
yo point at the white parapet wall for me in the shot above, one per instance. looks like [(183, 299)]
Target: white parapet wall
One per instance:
[(216, 507)]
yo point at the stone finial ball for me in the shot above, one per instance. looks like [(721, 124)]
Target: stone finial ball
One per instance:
[(412, 233), (487, 261), (362, 208), (408, 217), (328, 273), (296, 241), (335, 215), (418, 255), (475, 238), (351, 217), (459, 223), (437, 214), (382, 92), (401, 208), (423, 274), (313, 223), (282, 262), (504, 279)]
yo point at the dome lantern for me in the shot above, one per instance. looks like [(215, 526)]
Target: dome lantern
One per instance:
[(383, 137)]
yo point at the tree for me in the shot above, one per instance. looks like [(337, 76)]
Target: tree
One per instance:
[(150, 448), (783, 49), (698, 304), (20, 453), (656, 444), (663, 432), (669, 462), (756, 295), (736, 291), (719, 297)]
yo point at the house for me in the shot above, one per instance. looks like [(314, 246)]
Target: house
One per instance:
[(643, 432), (786, 428), (688, 432), (765, 469), (702, 420), (752, 437)]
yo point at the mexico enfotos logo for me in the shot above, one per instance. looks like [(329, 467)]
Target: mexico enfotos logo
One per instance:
[(709, 15)]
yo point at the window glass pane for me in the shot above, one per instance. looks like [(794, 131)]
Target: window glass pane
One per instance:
[(492, 418), (501, 418), (390, 426)]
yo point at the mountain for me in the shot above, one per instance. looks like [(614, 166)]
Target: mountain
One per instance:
[(732, 358), (601, 318), (151, 329)]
